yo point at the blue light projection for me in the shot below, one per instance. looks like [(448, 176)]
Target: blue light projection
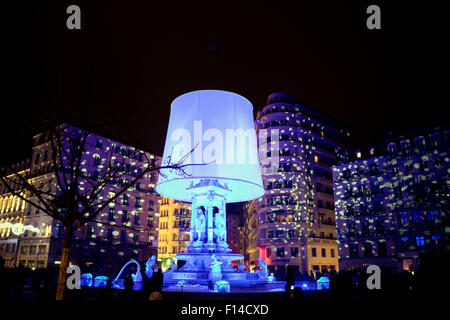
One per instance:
[(100, 281), (219, 127), (392, 200), (226, 170), (86, 280)]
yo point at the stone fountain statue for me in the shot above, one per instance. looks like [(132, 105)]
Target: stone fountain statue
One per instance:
[(172, 267), (263, 274), (215, 273), (241, 266), (151, 262)]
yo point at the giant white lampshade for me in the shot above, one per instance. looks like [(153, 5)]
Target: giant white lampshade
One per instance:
[(219, 127)]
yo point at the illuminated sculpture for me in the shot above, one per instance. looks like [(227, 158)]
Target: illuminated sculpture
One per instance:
[(212, 133), (100, 281), (86, 280), (241, 267), (222, 286), (323, 283), (263, 273), (151, 262), (215, 273), (172, 267)]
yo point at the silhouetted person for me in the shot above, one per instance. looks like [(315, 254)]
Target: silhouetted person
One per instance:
[(298, 294), (318, 275), (159, 278), (332, 278), (19, 281), (4, 289), (110, 293), (129, 283), (290, 278), (148, 287)]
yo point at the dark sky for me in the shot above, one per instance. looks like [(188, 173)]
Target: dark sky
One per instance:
[(132, 58)]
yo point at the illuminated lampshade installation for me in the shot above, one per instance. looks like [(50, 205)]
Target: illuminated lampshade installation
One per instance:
[(211, 132)]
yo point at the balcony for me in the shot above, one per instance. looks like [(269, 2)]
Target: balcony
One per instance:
[(326, 195), (325, 210), (327, 223)]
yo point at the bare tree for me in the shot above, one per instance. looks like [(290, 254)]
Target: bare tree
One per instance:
[(80, 196)]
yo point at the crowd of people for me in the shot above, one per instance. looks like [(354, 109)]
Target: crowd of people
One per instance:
[(21, 283)]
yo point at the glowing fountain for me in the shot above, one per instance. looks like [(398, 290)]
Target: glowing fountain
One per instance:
[(226, 170), (137, 278)]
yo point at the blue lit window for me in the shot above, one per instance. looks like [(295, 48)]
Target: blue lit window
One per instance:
[(431, 215), (403, 220), (416, 216), (420, 241)]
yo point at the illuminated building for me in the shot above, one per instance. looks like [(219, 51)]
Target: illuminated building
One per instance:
[(293, 225), (234, 228), (11, 214), (251, 250), (174, 227), (104, 245), (392, 200)]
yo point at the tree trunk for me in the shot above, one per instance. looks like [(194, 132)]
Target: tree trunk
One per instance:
[(65, 259)]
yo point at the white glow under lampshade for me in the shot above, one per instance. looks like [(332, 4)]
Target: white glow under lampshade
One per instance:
[(219, 126)]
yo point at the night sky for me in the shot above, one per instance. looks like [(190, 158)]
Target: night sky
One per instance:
[(132, 58)]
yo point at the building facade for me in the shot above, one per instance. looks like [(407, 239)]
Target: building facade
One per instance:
[(105, 244), (293, 225), (12, 210), (234, 225), (392, 201), (174, 229)]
